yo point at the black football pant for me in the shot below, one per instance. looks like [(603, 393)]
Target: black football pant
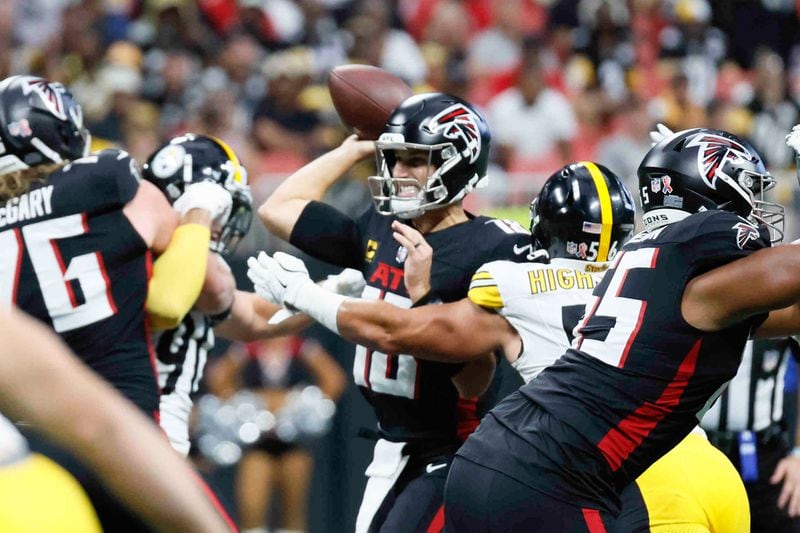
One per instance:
[(415, 503), (482, 500)]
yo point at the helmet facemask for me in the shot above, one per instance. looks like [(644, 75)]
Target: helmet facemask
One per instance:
[(405, 197), (225, 240), (769, 214)]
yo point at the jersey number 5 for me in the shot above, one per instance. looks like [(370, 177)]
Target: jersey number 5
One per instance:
[(613, 321), (57, 280)]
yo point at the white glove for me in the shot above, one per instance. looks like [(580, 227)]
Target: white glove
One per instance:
[(278, 278), (793, 139), (283, 279), (660, 133), (206, 195), (348, 282)]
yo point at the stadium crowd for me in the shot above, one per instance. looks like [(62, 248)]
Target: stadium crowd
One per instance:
[(559, 80)]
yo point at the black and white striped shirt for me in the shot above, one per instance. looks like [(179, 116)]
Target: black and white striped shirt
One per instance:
[(753, 399)]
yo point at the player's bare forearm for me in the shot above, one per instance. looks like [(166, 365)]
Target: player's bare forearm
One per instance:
[(42, 383), (455, 332), (280, 211), (219, 287), (249, 320), (476, 376), (780, 323), (767, 279)]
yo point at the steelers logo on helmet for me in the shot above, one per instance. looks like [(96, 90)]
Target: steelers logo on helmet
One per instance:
[(168, 161), (192, 158)]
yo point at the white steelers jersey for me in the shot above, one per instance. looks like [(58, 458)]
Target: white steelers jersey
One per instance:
[(544, 303)]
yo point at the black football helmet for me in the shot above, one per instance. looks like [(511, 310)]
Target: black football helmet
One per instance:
[(40, 123), (192, 158), (699, 169), (455, 138), (583, 211)]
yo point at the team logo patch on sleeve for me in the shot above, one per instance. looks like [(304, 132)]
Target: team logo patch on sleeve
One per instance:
[(745, 232), (714, 151)]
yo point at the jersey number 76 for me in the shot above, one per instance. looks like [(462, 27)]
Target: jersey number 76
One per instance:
[(56, 279)]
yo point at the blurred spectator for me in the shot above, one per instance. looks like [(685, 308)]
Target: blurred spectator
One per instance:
[(774, 113), (375, 42), (532, 125), (623, 150), (275, 464), (697, 46), (171, 83), (677, 109), (282, 127), (604, 36)]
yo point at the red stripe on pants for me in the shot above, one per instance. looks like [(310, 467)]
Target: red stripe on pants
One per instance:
[(437, 524), (593, 520)]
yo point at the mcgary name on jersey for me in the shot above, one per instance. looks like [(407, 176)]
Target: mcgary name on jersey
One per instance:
[(33, 204)]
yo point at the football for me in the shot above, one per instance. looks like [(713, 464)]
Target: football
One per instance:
[(364, 96)]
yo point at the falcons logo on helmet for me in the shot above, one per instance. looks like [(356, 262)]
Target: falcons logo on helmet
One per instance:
[(713, 152), (745, 232), (458, 122), (50, 93)]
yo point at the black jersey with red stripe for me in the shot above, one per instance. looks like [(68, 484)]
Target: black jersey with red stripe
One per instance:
[(637, 378), (72, 259), (414, 400)]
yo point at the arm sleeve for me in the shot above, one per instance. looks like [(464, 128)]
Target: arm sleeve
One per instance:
[(328, 234), (178, 276)]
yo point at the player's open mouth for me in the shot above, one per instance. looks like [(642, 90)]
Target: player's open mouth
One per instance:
[(408, 191)]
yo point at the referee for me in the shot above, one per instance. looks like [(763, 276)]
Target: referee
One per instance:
[(748, 424)]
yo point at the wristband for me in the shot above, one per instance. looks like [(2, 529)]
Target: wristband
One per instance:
[(220, 317), (319, 304)]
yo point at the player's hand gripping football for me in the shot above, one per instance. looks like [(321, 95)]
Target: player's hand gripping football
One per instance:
[(278, 279), (417, 266), (209, 196)]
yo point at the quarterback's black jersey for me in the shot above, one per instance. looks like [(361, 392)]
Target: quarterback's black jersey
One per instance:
[(414, 400), (72, 259), (637, 378)]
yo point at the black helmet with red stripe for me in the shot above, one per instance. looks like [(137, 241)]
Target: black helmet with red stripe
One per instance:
[(453, 137), (699, 169), (40, 123)]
